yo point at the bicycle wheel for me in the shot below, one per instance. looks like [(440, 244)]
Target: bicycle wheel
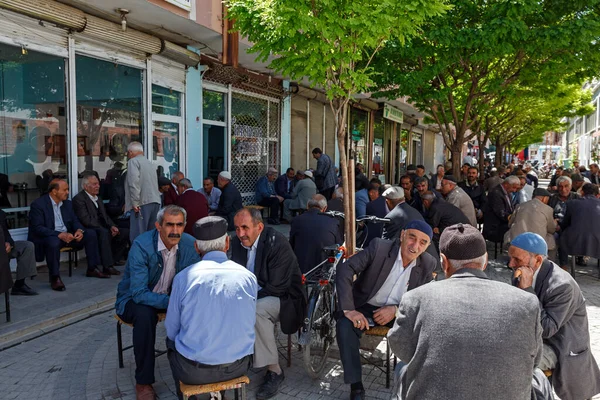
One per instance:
[(321, 328)]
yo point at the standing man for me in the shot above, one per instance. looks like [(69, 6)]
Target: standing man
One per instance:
[(377, 163), (53, 225), (231, 199), (386, 270), (194, 203), (170, 197), (498, 208), (457, 197), (325, 173), (141, 191), (212, 193), (444, 331), (564, 320), (156, 256), (24, 252), (203, 349), (90, 211), (267, 197), (268, 254)]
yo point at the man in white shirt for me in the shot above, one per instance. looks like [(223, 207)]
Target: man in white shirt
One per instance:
[(386, 270)]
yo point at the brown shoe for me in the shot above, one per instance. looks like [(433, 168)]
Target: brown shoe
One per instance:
[(144, 392), (95, 273), (57, 284), (111, 271)]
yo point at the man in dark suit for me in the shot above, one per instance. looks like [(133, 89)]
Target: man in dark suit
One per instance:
[(386, 270), (564, 320), (171, 195), (311, 232), (441, 214), (475, 191), (230, 201), (112, 241), (193, 202), (24, 252), (268, 254), (337, 200), (284, 184), (378, 208), (454, 336), (498, 208), (401, 213), (53, 225)]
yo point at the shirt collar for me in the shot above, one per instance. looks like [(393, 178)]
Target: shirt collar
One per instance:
[(399, 259), (161, 245), (254, 245), (95, 198), (216, 256), (535, 275), (187, 190)]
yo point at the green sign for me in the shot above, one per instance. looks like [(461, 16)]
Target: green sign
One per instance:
[(393, 114), (379, 142), (356, 136)]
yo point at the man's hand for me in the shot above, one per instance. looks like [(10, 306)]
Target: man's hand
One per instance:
[(8, 247), (65, 237), (526, 277), (383, 315), (436, 231), (280, 198), (358, 319), (136, 209), (114, 230), (78, 235)]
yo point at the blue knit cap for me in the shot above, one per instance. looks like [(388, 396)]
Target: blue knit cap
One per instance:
[(531, 242), (420, 226)]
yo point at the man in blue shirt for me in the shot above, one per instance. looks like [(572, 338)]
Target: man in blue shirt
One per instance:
[(212, 193), (266, 196), (201, 348)]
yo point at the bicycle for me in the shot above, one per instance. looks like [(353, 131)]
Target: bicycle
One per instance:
[(318, 333)]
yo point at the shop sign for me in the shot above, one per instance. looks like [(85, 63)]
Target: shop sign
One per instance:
[(356, 136), (379, 142), (393, 114), (185, 4)]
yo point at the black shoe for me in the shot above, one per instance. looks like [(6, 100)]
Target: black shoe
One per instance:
[(23, 291), (581, 261), (357, 394), (270, 386)]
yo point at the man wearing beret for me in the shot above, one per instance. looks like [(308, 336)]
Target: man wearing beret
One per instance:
[(203, 349), (467, 335), (564, 321), (268, 255), (386, 270), (459, 198), (231, 199), (156, 256)]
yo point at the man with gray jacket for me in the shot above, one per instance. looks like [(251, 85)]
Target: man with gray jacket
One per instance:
[(142, 198), (468, 337)]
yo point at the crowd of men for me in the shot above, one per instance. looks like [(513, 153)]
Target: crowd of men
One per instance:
[(181, 259)]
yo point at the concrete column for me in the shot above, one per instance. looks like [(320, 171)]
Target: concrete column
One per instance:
[(193, 113), (286, 129)]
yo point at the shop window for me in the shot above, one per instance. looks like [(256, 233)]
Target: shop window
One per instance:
[(33, 128), (109, 117), (359, 125), (213, 105), (214, 136), (167, 121)]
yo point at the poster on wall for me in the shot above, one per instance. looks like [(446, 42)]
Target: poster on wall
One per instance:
[(185, 4)]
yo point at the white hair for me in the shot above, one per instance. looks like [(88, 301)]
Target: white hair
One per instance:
[(205, 246), (135, 146), (480, 261), (512, 180), (562, 179), (171, 210), (86, 179), (185, 183), (339, 193)]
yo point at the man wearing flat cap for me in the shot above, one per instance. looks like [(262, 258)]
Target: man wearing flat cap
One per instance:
[(564, 321), (467, 335), (386, 270), (456, 196), (534, 216), (203, 349), (230, 201)]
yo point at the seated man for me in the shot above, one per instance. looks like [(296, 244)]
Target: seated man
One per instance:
[(467, 326), (284, 185), (457, 197), (231, 199), (304, 189), (192, 202), (267, 197), (386, 270), (422, 185), (53, 225), (311, 232), (337, 200), (268, 254), (170, 196), (441, 214), (475, 191), (24, 252), (212, 193), (401, 213), (89, 208), (156, 256), (564, 319), (498, 208), (201, 348)]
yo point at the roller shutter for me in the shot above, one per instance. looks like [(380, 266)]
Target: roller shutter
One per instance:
[(167, 73), (19, 30)]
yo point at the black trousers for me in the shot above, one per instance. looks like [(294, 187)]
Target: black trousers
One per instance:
[(111, 247), (52, 246), (328, 192), (348, 338), (144, 319), (195, 373), (273, 204)]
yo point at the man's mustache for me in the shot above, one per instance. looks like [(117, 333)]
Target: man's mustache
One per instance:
[(244, 238), (174, 235)]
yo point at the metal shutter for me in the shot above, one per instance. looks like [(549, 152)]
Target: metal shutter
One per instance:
[(167, 73), (28, 33)]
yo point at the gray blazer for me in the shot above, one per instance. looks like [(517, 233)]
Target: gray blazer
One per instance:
[(373, 265), (467, 337), (141, 184), (460, 199), (302, 193), (565, 328)]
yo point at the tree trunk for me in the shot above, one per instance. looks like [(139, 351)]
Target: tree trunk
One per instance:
[(481, 157), (499, 150), (456, 159)]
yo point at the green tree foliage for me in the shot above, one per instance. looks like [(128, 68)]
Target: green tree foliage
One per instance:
[(331, 44), (469, 59)]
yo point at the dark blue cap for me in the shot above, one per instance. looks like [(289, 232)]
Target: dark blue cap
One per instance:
[(420, 226)]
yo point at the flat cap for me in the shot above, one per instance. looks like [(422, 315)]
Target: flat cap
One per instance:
[(462, 242), (393, 193), (272, 171), (162, 181), (541, 192), (577, 178), (411, 167), (210, 228), (449, 177), (531, 242), (225, 175), (420, 226)]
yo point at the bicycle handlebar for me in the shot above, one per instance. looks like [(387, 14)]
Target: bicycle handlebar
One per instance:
[(365, 218)]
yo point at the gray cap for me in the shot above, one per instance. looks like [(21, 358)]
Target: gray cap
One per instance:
[(225, 175), (272, 171), (394, 193)]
